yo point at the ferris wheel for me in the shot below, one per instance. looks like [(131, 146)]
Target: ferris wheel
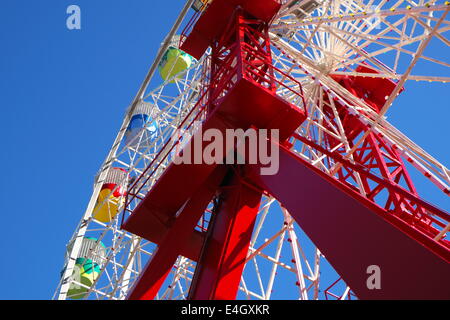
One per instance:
[(323, 72)]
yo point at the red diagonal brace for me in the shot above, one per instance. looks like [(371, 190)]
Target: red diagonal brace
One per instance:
[(164, 258), (222, 262)]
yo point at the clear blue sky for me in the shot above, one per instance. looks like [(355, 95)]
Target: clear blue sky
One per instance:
[(63, 95)]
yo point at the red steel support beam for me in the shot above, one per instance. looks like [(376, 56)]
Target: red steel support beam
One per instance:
[(354, 233), (181, 229), (222, 262)]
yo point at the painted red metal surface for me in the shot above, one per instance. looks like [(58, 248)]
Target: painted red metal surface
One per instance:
[(219, 270), (375, 153), (212, 23), (242, 94), (177, 184), (373, 90), (354, 233), (171, 245)]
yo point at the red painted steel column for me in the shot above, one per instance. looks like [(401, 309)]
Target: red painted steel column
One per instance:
[(164, 258), (222, 261)]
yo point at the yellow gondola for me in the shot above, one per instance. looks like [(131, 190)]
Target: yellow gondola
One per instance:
[(174, 60), (111, 197)]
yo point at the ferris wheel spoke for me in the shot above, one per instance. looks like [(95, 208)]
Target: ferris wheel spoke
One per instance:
[(388, 47), (396, 137), (439, 32), (396, 77), (355, 32)]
